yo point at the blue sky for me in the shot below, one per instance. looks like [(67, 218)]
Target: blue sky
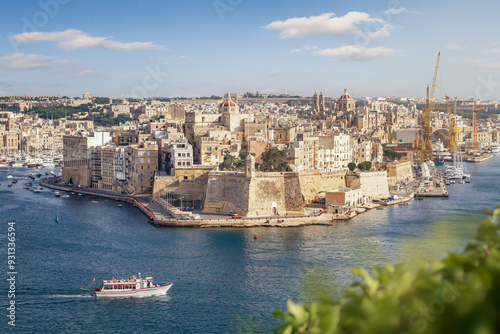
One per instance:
[(194, 48)]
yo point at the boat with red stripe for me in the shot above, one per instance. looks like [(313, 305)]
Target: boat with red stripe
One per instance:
[(131, 287)]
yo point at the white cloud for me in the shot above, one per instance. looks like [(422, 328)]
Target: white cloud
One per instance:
[(304, 48), (328, 25), (395, 11), (357, 53), (454, 46), (385, 31), (492, 51), (72, 39), (85, 72), (22, 61), (482, 64)]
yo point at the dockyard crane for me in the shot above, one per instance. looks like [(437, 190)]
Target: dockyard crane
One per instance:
[(452, 123), (426, 119)]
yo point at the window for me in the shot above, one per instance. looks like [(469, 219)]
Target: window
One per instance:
[(179, 155), (187, 154)]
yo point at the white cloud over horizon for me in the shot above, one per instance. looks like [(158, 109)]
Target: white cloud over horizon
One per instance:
[(23, 61), (329, 25), (356, 53), (73, 39)]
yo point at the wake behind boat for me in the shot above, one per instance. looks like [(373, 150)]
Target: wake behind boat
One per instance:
[(131, 287)]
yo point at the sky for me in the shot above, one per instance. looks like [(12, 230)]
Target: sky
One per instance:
[(194, 48)]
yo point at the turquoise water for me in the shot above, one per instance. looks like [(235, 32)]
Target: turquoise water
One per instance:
[(224, 279)]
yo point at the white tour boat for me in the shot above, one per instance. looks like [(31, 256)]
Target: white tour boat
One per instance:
[(131, 287)]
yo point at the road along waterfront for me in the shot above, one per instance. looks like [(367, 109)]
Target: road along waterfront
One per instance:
[(223, 278)]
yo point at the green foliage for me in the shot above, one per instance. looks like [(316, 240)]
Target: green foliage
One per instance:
[(101, 100), (56, 112), (365, 165), (393, 155), (351, 166), (460, 294), (275, 160), (103, 119), (234, 163)]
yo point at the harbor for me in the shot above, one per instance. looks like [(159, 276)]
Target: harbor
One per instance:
[(105, 239)]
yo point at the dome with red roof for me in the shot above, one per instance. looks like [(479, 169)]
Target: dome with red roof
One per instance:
[(346, 95), (228, 103)]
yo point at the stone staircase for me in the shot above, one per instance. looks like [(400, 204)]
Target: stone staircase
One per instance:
[(174, 211)]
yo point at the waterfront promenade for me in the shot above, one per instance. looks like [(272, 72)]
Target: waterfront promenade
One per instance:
[(158, 217)]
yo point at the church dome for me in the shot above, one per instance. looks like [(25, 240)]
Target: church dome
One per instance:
[(228, 102), (346, 95)]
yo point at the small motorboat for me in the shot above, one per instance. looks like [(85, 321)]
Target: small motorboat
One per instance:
[(467, 181), (10, 185), (64, 196), (131, 287), (57, 194), (37, 190), (95, 202), (420, 198), (81, 194), (380, 208), (9, 176)]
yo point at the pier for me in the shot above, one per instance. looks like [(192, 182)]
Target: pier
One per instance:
[(431, 184)]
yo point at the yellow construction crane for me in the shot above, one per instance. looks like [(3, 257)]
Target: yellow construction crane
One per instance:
[(426, 119), (452, 123)]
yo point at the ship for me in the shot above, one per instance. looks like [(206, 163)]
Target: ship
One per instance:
[(495, 148), (395, 200), (131, 287)]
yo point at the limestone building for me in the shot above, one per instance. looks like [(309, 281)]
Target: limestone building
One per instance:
[(77, 168), (346, 102)]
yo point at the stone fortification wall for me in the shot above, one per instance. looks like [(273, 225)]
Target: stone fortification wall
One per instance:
[(199, 175), (264, 194), (372, 184), (293, 194), (227, 191), (399, 172), (161, 182), (313, 183)]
